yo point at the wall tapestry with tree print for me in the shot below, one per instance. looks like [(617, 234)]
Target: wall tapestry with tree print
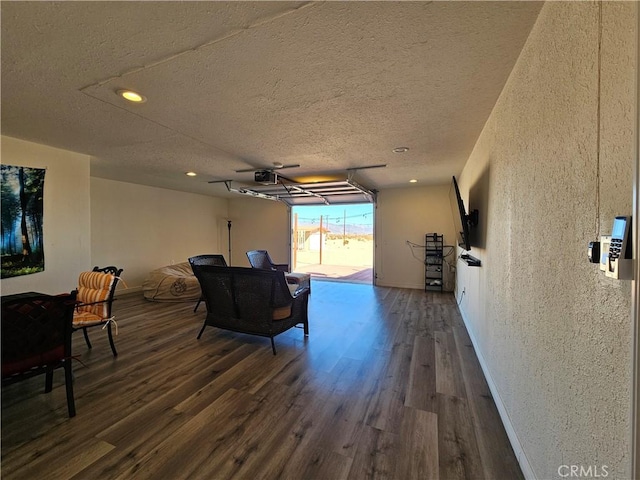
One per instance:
[(22, 208)]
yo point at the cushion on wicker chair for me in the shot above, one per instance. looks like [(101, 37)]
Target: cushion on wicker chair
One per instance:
[(280, 313), (300, 279)]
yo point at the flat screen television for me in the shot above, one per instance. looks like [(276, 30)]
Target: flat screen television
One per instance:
[(462, 222)]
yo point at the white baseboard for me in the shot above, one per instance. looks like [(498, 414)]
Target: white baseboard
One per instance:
[(410, 286), (525, 466)]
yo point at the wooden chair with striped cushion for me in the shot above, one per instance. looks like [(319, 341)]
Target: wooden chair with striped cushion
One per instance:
[(95, 298)]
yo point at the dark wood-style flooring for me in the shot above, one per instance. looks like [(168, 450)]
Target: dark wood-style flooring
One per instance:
[(351, 274), (386, 386)]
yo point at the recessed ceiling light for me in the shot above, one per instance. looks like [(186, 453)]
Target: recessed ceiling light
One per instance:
[(132, 96), (400, 149), (413, 180), (191, 174)]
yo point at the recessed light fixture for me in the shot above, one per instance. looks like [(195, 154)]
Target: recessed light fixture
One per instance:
[(400, 149), (191, 174), (130, 95), (413, 180)]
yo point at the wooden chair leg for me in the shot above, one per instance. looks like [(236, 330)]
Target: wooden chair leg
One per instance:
[(113, 347), (68, 380), (86, 337)]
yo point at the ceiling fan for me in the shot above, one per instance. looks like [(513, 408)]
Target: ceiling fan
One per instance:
[(276, 166), (262, 172)]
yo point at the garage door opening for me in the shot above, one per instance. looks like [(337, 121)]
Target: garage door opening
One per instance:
[(334, 242)]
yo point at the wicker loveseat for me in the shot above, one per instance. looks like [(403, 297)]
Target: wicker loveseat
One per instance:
[(253, 301)]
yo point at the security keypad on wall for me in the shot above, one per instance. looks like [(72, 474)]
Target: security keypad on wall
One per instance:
[(619, 262)]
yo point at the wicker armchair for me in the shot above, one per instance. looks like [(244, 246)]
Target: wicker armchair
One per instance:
[(208, 259), (36, 339), (261, 259), (250, 300)]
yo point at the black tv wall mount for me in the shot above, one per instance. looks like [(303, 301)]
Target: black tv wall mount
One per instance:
[(471, 260)]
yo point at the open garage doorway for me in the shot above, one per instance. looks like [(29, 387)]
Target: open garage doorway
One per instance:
[(334, 242)]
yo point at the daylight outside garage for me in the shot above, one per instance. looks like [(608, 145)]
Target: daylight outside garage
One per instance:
[(334, 242)]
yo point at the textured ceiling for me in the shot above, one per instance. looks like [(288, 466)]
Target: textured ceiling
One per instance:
[(234, 85)]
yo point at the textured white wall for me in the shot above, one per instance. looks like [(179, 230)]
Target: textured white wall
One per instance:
[(141, 228), (408, 214), (556, 161), (67, 234), (259, 225)]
